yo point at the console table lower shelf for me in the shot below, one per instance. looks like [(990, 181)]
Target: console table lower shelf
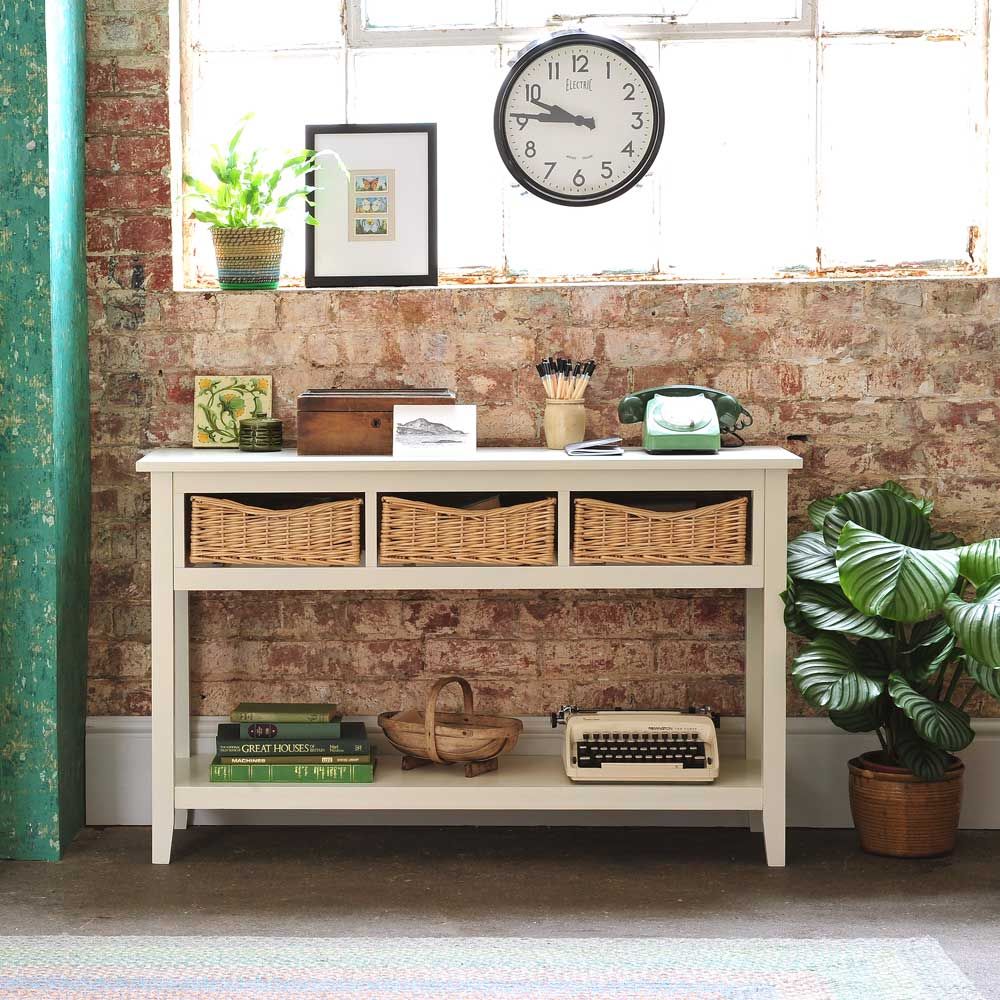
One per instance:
[(522, 782)]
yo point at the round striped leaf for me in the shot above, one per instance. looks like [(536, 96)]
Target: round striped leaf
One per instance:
[(882, 577), (794, 621), (977, 623), (880, 511), (923, 504), (865, 720), (818, 510), (875, 658), (928, 633), (924, 760), (944, 540), (828, 609), (988, 678), (929, 656), (980, 561), (931, 644), (827, 674), (810, 558), (938, 722)]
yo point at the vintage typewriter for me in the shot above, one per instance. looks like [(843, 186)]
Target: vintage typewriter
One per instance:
[(639, 746)]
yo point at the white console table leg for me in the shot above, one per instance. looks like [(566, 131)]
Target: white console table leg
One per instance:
[(182, 691), (754, 687), (163, 663), (772, 643)]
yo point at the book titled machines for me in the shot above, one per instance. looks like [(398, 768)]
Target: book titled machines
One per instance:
[(662, 746)]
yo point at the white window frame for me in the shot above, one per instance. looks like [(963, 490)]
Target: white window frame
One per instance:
[(360, 35)]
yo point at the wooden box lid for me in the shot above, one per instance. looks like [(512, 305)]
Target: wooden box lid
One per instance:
[(369, 400)]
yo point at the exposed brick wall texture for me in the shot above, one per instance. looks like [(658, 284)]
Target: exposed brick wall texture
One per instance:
[(886, 378)]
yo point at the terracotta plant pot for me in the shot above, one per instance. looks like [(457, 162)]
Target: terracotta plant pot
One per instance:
[(903, 816), (248, 258)]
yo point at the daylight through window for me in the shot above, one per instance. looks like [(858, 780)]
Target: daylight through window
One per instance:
[(782, 153)]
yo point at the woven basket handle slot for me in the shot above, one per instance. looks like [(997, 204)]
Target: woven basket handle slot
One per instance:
[(429, 714)]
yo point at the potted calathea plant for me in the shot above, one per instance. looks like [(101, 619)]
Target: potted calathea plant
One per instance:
[(903, 629), (242, 207)]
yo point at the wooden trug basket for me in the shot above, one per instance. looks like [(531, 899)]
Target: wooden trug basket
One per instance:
[(606, 532), (236, 534), (448, 737), (426, 534)]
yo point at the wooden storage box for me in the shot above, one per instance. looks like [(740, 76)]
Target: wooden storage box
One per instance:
[(356, 421), (605, 532), (416, 533), (236, 534)]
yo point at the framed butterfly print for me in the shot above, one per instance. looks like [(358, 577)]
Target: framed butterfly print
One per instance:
[(374, 206)]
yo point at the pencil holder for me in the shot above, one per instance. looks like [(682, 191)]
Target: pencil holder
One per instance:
[(565, 422), (260, 434)]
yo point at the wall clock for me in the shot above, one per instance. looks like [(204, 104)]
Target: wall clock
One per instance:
[(579, 118)]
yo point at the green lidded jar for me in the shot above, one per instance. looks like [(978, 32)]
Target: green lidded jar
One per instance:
[(260, 434)]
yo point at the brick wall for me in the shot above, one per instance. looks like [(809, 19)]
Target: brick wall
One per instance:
[(885, 378)]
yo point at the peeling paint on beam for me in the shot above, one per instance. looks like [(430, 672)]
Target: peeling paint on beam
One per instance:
[(44, 462)]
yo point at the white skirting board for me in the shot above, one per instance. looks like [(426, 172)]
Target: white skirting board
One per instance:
[(118, 780)]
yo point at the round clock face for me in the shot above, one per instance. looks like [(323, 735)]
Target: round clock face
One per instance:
[(579, 119)]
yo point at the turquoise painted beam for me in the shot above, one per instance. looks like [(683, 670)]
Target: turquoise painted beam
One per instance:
[(44, 428)]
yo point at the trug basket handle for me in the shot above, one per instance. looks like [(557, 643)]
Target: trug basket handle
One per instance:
[(430, 713)]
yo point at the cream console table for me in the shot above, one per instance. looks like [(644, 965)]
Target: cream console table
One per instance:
[(754, 781)]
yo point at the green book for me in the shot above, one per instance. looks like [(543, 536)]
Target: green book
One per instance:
[(301, 773), (352, 741), (289, 731), (295, 758), (265, 711)]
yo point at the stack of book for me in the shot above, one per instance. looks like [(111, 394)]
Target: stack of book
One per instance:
[(288, 742)]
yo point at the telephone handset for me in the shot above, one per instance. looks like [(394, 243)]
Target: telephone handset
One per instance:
[(673, 425)]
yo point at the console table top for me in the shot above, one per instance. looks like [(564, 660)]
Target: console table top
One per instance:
[(746, 458)]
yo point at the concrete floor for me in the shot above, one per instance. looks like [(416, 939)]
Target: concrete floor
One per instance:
[(512, 882)]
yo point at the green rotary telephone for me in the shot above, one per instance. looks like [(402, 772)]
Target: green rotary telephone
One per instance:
[(684, 418)]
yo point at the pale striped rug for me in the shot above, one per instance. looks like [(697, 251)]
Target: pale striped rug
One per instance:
[(346, 968)]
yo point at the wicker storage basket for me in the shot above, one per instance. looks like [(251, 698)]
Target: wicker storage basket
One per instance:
[(606, 532), (322, 534), (425, 534)]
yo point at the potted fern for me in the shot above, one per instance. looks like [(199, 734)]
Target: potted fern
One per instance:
[(903, 629), (242, 210)]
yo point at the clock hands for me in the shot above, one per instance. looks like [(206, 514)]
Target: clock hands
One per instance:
[(555, 114)]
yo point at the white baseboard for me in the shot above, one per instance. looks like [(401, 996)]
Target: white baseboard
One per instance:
[(119, 753)]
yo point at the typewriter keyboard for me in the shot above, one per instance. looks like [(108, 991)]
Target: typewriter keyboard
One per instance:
[(681, 750)]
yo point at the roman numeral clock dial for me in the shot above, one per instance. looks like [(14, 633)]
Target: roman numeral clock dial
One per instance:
[(579, 118)]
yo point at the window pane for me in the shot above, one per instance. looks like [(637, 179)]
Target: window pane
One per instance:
[(898, 15), (455, 87), (531, 12), (904, 185), (252, 24), (287, 91), (546, 240), (736, 167), (428, 13), (736, 11)]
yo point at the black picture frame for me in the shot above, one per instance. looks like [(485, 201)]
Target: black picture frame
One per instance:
[(539, 49), (314, 280)]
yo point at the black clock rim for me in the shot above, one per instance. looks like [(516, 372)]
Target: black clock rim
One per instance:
[(561, 41)]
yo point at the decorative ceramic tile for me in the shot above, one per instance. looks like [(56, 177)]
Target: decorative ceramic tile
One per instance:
[(221, 401)]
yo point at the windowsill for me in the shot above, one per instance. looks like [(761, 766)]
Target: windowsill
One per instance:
[(453, 282)]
